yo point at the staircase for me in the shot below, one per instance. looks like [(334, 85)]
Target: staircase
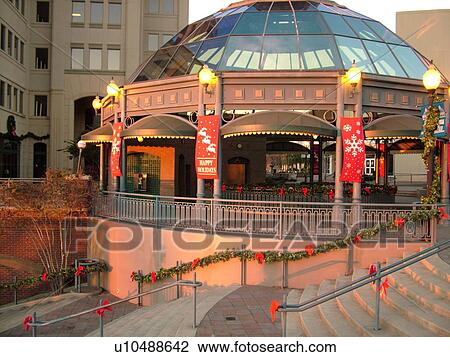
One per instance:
[(417, 304)]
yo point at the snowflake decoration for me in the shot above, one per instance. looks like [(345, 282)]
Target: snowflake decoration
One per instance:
[(347, 128), (354, 146)]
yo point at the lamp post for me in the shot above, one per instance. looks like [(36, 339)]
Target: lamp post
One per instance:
[(431, 82), (81, 146), (97, 104)]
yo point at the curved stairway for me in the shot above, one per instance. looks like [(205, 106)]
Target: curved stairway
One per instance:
[(417, 304)]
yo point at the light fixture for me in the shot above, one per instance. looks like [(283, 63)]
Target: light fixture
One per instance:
[(76, 14), (81, 146), (431, 78), (97, 104), (113, 89), (207, 78), (354, 75), (140, 139)]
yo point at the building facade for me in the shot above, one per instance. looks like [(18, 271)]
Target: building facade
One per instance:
[(55, 57)]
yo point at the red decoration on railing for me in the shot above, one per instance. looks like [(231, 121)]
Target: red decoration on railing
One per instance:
[(357, 239), (101, 311), (26, 323), (153, 274), (259, 257), (79, 270), (444, 215), (224, 188), (372, 270), (44, 276), (354, 149), (399, 222), (133, 276), (309, 249), (367, 190), (331, 195), (195, 263), (281, 192), (240, 189), (273, 309), (383, 288), (305, 191)]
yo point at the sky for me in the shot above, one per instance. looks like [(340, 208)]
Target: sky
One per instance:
[(381, 10)]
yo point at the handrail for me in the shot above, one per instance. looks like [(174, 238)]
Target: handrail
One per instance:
[(365, 280), (34, 324)]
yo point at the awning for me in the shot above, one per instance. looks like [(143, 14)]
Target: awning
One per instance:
[(163, 126), (99, 135), (279, 123), (394, 127)]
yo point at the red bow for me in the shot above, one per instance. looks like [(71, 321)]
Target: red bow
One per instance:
[(400, 222), (26, 323), (372, 270), (195, 263), (260, 258), (281, 192), (383, 289), (273, 309), (133, 276), (444, 215), (44, 276), (101, 311), (357, 239), (331, 195), (240, 189), (309, 249), (224, 188), (367, 190), (305, 191), (153, 274), (79, 270)]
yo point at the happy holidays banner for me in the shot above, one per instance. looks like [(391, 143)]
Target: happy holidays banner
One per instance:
[(206, 149), (116, 149), (354, 149)]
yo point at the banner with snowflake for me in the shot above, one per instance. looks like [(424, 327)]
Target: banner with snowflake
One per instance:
[(354, 149), (206, 149), (116, 149)]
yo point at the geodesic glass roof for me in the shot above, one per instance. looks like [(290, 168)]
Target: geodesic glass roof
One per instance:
[(284, 35)]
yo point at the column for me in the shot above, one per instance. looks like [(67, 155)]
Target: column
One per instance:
[(444, 160), (102, 167), (320, 160), (377, 162), (311, 161), (358, 114), (218, 110), (339, 187), (201, 112), (123, 156)]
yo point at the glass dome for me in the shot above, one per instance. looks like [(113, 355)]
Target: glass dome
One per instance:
[(284, 36)]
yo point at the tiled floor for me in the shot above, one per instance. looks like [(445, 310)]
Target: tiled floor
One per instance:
[(245, 312), (77, 327)]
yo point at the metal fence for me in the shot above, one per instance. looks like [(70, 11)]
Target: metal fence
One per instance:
[(271, 218)]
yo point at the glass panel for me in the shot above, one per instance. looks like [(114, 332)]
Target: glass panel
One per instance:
[(181, 61), (337, 25), (412, 64), (153, 6), (114, 60), (260, 7), (386, 34), (364, 31), (224, 13), (77, 55), (225, 26), (210, 53), (156, 65), (281, 23), (323, 7), (96, 13), (153, 42), (345, 11), (311, 22), (115, 13), (304, 6), (95, 58), (168, 7), (77, 12), (281, 6), (251, 23), (383, 59), (184, 34), (319, 52), (353, 49), (280, 53), (202, 31), (242, 53)]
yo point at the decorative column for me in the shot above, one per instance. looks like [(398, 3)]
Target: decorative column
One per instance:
[(218, 110), (123, 157), (201, 112), (339, 186), (358, 114)]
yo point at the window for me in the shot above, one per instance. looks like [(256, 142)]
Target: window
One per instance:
[(383, 59), (77, 55), (15, 99), (153, 6), (319, 52), (113, 60), (153, 42), (39, 160), (280, 53), (22, 7), (168, 7), (95, 58), (21, 102), (242, 53), (22, 51), (40, 105), (96, 13), (114, 13), (16, 48), (41, 60), (2, 93), (10, 42), (8, 96), (251, 23), (42, 11), (3, 38), (78, 12)]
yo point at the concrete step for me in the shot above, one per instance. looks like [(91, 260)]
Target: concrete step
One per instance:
[(424, 277), (357, 315), (293, 324), (389, 316), (332, 316), (438, 267), (311, 322)]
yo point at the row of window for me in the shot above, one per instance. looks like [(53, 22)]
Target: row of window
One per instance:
[(161, 7), (11, 44), (94, 57), (153, 41), (11, 97), (97, 12), (19, 5)]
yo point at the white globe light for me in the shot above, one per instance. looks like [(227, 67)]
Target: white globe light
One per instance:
[(81, 145)]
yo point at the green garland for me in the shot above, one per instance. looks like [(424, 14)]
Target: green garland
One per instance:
[(279, 256), (65, 273)]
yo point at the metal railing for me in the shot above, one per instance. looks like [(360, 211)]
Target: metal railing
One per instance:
[(194, 284), (271, 218), (363, 281)]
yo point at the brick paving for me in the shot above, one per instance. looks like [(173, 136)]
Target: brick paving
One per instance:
[(76, 327), (244, 312)]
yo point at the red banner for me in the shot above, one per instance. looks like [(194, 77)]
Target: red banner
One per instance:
[(381, 164), (116, 150), (206, 150), (354, 149)]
